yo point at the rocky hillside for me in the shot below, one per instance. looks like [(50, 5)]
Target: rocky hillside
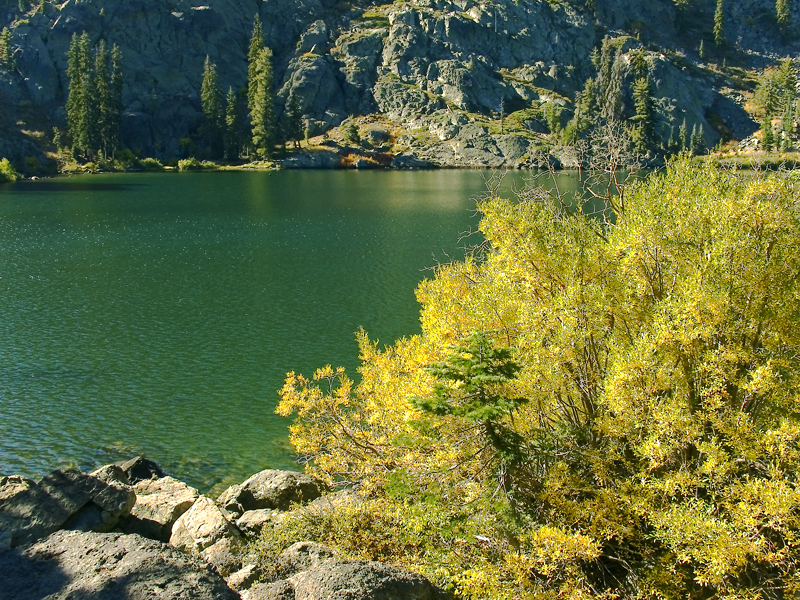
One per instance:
[(439, 70)]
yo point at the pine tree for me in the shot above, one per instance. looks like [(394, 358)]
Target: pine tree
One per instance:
[(6, 51), (256, 45), (81, 100), (262, 111), (701, 51), (94, 100), (719, 28), (114, 132), (768, 136), (698, 141), (610, 75), (786, 81), (233, 125), (294, 118), (683, 136), (672, 143), (105, 101), (643, 101), (782, 15), (211, 102)]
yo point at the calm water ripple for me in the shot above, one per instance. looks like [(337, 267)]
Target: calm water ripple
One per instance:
[(158, 314)]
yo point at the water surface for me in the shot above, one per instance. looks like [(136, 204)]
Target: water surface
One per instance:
[(158, 314)]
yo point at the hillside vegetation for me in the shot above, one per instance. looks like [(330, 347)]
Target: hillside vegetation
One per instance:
[(598, 406), (459, 83)]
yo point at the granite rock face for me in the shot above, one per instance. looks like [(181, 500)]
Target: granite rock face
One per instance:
[(406, 60), (64, 499), (106, 566)]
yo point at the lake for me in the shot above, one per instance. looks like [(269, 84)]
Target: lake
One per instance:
[(157, 314)]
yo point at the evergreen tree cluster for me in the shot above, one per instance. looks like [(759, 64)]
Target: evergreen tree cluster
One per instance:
[(602, 99), (224, 123), (94, 103), (776, 95)]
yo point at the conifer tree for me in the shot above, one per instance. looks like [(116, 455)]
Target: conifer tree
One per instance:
[(233, 125), (81, 100), (294, 117), (256, 45), (643, 101), (262, 110), (105, 101), (113, 133), (719, 27), (701, 51), (683, 136), (782, 15), (6, 51), (768, 136), (94, 100), (211, 102), (698, 141)]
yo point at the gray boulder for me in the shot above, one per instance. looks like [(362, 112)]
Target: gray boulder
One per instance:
[(271, 489), (303, 556), (253, 521), (111, 474), (139, 469), (243, 579), (278, 590), (70, 565), (360, 580), (66, 498), (159, 503), (204, 530)]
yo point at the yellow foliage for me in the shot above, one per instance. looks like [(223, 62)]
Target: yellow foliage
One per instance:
[(659, 360)]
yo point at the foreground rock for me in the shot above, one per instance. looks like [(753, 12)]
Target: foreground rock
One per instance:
[(64, 499), (159, 503), (106, 566), (271, 489), (318, 574), (204, 530)]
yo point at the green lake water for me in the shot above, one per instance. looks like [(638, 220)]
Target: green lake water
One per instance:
[(157, 314)]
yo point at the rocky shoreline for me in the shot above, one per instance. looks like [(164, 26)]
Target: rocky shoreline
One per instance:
[(129, 530)]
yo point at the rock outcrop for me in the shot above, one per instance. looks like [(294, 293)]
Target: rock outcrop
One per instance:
[(415, 62), (55, 541), (106, 566), (64, 499)]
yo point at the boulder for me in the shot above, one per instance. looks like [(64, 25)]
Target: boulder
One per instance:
[(200, 527), (204, 530), (223, 556), (304, 556), (243, 579), (66, 498), (253, 521), (140, 469), (111, 474), (360, 580), (106, 566), (159, 503), (278, 590), (271, 489)]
